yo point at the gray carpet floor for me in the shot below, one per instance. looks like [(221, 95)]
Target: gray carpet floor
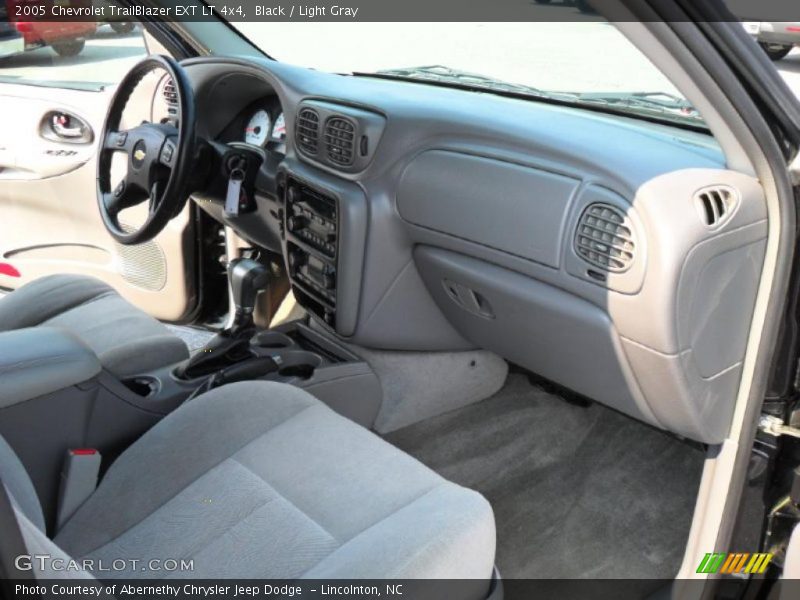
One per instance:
[(577, 491)]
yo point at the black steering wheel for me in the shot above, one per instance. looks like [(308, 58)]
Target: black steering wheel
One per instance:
[(160, 157)]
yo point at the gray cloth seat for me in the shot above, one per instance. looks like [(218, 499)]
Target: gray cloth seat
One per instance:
[(126, 340), (261, 480)]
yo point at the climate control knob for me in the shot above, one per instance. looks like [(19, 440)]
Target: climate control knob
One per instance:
[(296, 222)]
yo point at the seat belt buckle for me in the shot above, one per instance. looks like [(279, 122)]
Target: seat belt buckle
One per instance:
[(78, 481)]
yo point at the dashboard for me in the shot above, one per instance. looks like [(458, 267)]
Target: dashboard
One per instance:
[(617, 257)]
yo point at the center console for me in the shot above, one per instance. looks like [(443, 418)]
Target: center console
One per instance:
[(324, 232), (312, 240)]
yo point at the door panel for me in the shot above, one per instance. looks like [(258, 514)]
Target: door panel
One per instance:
[(49, 220)]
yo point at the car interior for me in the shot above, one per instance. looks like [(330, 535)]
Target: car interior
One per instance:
[(517, 335)]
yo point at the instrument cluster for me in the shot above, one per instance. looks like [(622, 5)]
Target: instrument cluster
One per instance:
[(263, 127)]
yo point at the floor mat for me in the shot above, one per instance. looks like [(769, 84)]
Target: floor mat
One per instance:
[(577, 491), (193, 337)]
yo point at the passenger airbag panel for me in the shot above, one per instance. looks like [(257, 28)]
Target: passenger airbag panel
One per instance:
[(513, 208)]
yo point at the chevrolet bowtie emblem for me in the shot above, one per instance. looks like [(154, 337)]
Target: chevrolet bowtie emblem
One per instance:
[(139, 155)]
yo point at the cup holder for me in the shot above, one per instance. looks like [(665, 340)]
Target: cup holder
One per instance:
[(273, 339), (298, 364), (144, 385)]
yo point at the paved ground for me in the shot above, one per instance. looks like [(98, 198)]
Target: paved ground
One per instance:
[(587, 56)]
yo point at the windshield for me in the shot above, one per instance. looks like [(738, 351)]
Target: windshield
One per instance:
[(589, 63)]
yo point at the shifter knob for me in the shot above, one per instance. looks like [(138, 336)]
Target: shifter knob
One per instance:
[(247, 278)]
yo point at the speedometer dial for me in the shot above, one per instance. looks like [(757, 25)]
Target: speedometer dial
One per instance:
[(257, 128), (279, 129)]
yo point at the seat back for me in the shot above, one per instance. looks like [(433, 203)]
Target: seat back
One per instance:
[(28, 513), (19, 485)]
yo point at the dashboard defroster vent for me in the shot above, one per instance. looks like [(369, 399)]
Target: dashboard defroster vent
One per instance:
[(715, 204), (605, 238), (308, 130), (340, 137)]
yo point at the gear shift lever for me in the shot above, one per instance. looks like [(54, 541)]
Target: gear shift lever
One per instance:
[(247, 278)]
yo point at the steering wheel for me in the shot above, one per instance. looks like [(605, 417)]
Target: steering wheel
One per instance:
[(160, 157)]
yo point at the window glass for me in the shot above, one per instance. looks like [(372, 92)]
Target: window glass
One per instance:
[(82, 55), (583, 62)]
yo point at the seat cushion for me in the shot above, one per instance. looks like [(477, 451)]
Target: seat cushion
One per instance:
[(261, 480), (126, 340)]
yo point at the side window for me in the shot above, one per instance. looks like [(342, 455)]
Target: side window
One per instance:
[(69, 54)]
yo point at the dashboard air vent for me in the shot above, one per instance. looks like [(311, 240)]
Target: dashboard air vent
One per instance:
[(340, 137), (171, 96), (605, 238), (308, 130), (715, 204)]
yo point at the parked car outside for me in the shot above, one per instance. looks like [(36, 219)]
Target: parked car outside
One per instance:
[(119, 23), (66, 38), (776, 38)]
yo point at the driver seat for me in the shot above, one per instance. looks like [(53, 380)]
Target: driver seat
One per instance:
[(126, 340)]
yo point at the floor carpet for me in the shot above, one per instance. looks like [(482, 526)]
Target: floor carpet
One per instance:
[(578, 491)]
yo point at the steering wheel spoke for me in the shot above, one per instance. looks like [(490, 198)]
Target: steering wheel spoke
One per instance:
[(155, 198), (117, 141), (168, 154), (123, 196)]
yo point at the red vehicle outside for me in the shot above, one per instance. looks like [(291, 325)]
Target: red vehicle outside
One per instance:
[(67, 38)]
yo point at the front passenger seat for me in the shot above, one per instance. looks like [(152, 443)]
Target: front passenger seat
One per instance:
[(261, 480), (126, 340)]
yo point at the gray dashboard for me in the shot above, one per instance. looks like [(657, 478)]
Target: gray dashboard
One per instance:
[(615, 256)]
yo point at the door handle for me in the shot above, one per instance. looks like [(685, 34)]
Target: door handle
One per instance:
[(468, 299), (67, 132), (65, 127)]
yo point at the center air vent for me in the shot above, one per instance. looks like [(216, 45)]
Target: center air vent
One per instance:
[(340, 137), (715, 204), (171, 96), (605, 238), (308, 130)]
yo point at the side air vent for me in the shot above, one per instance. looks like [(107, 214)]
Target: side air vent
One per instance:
[(171, 96), (605, 238), (308, 130), (715, 204), (340, 137)]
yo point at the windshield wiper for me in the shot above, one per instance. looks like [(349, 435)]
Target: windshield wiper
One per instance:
[(465, 79)]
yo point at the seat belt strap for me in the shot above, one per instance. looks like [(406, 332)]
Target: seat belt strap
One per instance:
[(78, 481)]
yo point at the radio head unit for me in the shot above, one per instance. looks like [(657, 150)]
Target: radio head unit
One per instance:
[(312, 236)]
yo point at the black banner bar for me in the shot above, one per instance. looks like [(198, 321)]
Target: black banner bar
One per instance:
[(408, 11)]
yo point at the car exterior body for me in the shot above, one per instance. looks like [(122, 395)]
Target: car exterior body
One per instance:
[(777, 38)]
